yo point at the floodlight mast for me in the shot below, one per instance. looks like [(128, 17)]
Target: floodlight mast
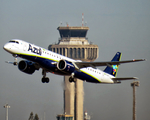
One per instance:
[(6, 106), (134, 84)]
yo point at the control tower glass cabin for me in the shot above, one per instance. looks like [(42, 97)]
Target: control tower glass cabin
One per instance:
[(74, 44), (73, 31)]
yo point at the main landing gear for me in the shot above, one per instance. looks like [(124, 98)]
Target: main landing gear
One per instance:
[(71, 78), (44, 79)]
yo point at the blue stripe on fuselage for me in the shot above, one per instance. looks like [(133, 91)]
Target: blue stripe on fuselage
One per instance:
[(46, 63), (83, 76), (43, 62)]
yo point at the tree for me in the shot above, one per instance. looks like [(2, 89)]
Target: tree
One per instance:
[(31, 116), (36, 117)]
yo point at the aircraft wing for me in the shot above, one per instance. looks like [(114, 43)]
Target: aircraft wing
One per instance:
[(109, 63), (127, 78)]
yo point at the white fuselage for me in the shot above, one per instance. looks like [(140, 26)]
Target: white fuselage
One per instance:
[(26, 50)]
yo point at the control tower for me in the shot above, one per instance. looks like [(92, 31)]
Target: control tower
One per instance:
[(74, 44)]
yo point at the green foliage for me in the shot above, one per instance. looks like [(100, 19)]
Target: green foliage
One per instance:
[(32, 117), (36, 117)]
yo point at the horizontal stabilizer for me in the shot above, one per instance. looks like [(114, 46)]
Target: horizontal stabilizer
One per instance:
[(128, 78)]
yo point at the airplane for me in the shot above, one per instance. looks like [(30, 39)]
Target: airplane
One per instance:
[(37, 57)]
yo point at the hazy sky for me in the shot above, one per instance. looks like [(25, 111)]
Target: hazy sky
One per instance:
[(114, 26)]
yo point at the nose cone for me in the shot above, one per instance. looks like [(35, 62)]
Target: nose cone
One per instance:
[(7, 47)]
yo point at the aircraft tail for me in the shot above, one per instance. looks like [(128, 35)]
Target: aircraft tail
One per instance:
[(112, 70)]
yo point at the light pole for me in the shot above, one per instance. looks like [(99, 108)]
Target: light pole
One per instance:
[(134, 84), (6, 106)]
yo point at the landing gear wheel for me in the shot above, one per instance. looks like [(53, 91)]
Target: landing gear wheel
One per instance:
[(71, 79), (45, 80), (15, 63)]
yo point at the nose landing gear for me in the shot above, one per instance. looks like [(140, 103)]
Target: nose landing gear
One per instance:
[(71, 80), (15, 63), (15, 60)]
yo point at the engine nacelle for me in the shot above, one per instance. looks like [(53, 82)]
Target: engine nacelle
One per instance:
[(66, 66), (26, 66)]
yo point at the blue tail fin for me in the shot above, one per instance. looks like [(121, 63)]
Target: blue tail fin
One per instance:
[(114, 69)]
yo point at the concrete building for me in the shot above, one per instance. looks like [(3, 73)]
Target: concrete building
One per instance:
[(64, 117), (74, 44)]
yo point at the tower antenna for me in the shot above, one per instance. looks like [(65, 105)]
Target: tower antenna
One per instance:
[(82, 19)]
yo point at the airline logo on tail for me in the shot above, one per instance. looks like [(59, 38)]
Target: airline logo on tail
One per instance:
[(115, 68)]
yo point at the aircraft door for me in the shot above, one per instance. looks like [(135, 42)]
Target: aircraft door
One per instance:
[(25, 47)]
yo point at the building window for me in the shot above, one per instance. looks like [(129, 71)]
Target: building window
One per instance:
[(57, 50), (70, 52), (79, 53), (92, 53), (75, 53), (95, 53), (82, 52), (53, 49), (64, 51), (88, 52), (61, 51)]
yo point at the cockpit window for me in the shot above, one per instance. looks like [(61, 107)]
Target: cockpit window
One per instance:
[(13, 41)]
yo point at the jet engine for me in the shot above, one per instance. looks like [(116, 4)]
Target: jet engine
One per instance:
[(66, 66), (26, 66)]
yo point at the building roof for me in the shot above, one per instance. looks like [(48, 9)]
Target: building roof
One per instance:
[(73, 28)]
